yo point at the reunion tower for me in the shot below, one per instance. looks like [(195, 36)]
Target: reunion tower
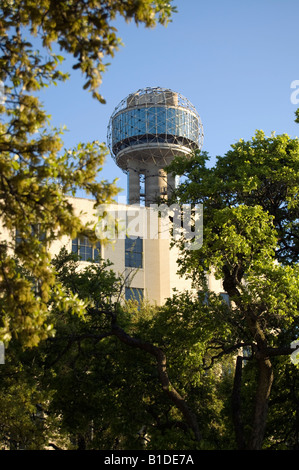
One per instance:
[(145, 132)]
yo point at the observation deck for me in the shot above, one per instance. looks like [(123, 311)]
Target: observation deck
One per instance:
[(153, 124)]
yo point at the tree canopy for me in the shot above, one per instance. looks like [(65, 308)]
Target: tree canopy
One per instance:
[(250, 243)]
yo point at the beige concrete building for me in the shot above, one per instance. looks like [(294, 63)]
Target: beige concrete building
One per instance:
[(148, 265)]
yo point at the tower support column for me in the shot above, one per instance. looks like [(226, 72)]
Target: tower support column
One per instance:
[(133, 186), (155, 185), (170, 185)]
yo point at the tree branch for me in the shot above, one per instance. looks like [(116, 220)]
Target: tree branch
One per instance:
[(167, 387)]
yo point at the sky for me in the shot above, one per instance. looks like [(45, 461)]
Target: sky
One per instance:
[(235, 61)]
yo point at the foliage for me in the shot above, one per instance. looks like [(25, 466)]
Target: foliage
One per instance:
[(261, 172), (24, 422), (107, 394), (95, 391), (83, 29)]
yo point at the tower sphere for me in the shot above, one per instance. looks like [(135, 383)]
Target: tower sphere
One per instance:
[(153, 124)]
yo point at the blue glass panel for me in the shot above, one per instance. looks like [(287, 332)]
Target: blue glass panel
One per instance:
[(75, 245), (88, 253), (154, 120), (134, 293), (133, 252), (225, 297)]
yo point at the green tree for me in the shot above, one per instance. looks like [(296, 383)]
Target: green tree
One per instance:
[(250, 242), (101, 382), (36, 174), (141, 375), (126, 349), (129, 376), (25, 421)]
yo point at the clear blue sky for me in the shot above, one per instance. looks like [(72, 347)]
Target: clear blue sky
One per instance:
[(234, 61)]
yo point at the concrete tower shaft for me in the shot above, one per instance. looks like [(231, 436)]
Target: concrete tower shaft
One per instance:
[(145, 132)]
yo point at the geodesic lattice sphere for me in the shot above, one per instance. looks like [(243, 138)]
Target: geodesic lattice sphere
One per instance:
[(153, 123)]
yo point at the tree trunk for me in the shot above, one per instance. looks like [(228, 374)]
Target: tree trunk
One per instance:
[(265, 370), (236, 405), (265, 381)]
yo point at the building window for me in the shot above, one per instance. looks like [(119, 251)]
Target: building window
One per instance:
[(133, 252), (35, 233), (85, 250), (225, 298), (134, 293)]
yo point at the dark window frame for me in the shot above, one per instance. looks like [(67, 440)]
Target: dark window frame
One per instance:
[(134, 252), (86, 250)]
